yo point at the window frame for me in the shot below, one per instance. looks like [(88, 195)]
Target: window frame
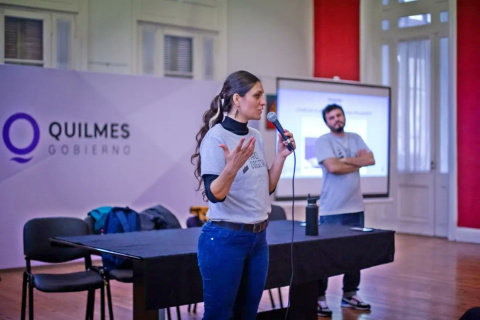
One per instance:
[(162, 30), (72, 44), (49, 20), (47, 31)]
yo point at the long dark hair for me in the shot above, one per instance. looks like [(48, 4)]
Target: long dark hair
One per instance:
[(238, 82)]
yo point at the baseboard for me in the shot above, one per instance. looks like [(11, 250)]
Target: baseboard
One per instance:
[(467, 235)]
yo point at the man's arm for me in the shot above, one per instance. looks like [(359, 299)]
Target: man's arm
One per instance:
[(337, 166), (363, 159)]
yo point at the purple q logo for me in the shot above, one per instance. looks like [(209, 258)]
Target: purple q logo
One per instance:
[(8, 141)]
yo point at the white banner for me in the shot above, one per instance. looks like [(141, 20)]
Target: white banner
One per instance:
[(74, 141)]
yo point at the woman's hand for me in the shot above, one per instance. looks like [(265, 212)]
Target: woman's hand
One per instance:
[(235, 160), (237, 157), (282, 149)]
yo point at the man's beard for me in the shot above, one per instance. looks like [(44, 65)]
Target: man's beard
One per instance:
[(339, 129)]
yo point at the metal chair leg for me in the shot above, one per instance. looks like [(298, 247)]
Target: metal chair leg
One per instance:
[(109, 298), (24, 295), (280, 297), (90, 302), (179, 316), (30, 300), (271, 298), (87, 309), (102, 302)]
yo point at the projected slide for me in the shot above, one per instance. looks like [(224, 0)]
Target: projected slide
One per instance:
[(367, 111)]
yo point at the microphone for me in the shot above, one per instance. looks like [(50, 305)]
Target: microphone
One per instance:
[(272, 117)]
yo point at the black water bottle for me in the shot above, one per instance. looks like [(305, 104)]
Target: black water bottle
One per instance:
[(311, 217)]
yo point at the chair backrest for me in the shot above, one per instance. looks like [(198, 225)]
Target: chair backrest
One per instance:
[(194, 222), (37, 233), (91, 223), (278, 213), (158, 217)]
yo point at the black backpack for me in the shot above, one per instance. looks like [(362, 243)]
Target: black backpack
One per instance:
[(119, 220), (158, 217)]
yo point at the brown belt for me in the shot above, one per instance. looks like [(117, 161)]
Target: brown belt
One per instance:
[(253, 227)]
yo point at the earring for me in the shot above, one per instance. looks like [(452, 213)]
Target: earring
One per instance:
[(236, 112)]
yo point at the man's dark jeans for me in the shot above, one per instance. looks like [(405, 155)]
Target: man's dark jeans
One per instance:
[(351, 280)]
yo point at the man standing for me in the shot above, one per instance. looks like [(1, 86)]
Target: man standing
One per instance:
[(341, 154)]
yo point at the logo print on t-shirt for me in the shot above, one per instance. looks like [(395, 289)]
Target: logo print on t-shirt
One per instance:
[(256, 162), (245, 169), (340, 153)]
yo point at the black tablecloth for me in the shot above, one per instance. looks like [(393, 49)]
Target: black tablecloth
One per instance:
[(166, 260)]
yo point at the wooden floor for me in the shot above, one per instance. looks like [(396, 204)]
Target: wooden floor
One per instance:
[(431, 278)]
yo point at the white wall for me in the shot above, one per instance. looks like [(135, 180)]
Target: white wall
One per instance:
[(270, 38), (111, 40), (69, 175)]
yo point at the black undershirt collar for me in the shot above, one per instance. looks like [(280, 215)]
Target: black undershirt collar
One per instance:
[(234, 126)]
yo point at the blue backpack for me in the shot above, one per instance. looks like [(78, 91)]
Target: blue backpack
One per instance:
[(119, 220), (99, 215)]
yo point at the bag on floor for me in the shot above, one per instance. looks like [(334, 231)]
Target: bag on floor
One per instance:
[(119, 220)]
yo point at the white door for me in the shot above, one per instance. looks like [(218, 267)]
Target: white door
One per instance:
[(410, 40), (415, 178), (422, 136)]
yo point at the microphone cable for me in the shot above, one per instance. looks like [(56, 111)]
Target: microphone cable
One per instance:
[(293, 232)]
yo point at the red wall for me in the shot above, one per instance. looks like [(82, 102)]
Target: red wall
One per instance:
[(468, 113), (337, 53), (337, 39)]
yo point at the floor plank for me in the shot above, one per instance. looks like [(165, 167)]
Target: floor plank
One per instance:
[(431, 278)]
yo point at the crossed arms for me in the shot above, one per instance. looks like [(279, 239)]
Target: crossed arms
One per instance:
[(348, 165)]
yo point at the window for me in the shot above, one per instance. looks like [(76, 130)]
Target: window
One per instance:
[(178, 57), (23, 41), (444, 16), (148, 40), (208, 63), (385, 65), (385, 24), (37, 38), (444, 100), (174, 52), (413, 113), (63, 44), (415, 20)]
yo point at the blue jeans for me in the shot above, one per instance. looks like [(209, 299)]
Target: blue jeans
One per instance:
[(234, 267), (351, 280)]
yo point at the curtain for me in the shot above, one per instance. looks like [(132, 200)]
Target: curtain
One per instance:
[(413, 116)]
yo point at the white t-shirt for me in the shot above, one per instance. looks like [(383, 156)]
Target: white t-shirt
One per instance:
[(248, 200), (341, 193)]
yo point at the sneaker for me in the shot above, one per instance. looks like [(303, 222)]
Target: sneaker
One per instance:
[(323, 310), (355, 302)]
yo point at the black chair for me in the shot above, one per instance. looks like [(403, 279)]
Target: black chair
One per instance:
[(277, 213), (36, 246), (195, 222), (126, 275), (471, 314)]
